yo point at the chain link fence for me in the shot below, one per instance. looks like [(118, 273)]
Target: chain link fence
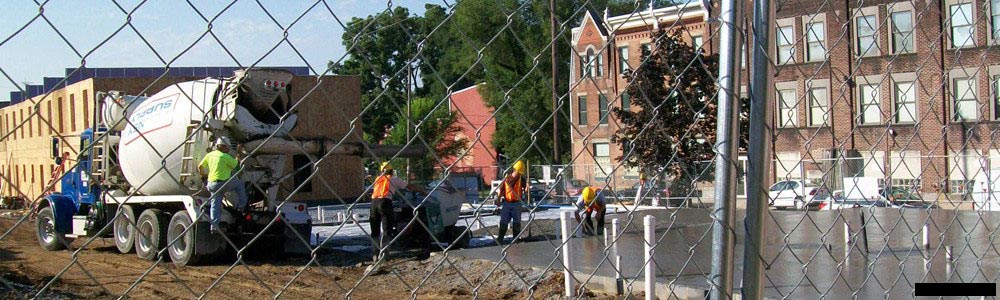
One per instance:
[(864, 167)]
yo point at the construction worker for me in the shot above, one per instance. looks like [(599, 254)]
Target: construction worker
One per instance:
[(219, 166), (381, 216), (509, 197), (591, 202)]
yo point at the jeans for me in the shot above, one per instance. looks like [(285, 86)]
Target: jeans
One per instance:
[(510, 211), (588, 222), (382, 220), (219, 189)]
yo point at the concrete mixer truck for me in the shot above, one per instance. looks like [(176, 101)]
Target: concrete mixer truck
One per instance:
[(136, 179)]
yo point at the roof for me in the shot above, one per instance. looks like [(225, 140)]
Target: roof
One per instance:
[(598, 21)]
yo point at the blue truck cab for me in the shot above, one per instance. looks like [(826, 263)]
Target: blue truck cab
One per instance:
[(77, 204)]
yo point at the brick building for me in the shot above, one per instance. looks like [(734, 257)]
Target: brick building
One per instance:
[(896, 90), (478, 125), (25, 150), (614, 44)]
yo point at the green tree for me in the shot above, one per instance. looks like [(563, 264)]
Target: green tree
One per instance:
[(673, 130), (435, 125)]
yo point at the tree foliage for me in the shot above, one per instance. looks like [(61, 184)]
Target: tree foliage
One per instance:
[(435, 124), (674, 129)]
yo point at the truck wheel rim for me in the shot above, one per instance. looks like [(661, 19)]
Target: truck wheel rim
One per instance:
[(122, 229), (180, 245), (45, 230), (145, 236)]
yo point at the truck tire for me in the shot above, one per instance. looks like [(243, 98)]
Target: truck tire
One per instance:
[(182, 250), (124, 231), (151, 233), (45, 231)]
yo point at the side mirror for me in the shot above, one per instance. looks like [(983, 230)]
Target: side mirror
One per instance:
[(54, 151)]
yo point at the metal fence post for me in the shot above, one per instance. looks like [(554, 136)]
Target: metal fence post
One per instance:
[(565, 217), (759, 152), (649, 240), (615, 226), (724, 215)]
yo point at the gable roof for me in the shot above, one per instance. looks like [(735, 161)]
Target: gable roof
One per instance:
[(598, 21)]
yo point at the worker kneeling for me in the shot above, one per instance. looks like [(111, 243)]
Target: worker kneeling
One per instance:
[(220, 166), (591, 203), (509, 199), (381, 217)]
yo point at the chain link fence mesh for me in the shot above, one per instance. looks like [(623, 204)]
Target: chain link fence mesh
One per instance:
[(880, 175)]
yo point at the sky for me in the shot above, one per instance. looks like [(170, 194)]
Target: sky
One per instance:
[(70, 34)]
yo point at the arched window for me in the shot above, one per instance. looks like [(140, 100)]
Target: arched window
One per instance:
[(590, 63)]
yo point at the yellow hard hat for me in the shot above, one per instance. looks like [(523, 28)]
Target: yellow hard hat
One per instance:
[(588, 195), (385, 167), (519, 167)]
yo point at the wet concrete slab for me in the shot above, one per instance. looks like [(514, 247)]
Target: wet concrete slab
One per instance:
[(805, 252)]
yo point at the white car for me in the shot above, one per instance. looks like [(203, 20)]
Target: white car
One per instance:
[(796, 194)]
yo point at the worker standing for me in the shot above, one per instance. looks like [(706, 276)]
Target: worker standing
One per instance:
[(594, 207), (381, 216), (509, 197), (219, 165)]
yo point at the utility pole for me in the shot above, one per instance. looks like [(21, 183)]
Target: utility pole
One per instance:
[(555, 94), (409, 118)]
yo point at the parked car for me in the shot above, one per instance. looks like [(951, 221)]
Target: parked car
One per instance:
[(904, 198), (538, 191), (797, 194), (650, 190), (567, 188)]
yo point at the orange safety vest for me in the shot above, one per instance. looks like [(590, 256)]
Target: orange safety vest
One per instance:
[(381, 187), (594, 206), (512, 191)]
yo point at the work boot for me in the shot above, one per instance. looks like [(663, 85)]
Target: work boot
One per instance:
[(502, 232), (516, 232)]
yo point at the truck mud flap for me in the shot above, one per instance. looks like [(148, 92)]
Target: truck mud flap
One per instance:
[(293, 244), (207, 243)]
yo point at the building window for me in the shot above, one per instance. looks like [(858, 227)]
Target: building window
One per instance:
[(904, 169), (871, 112), (867, 27), (965, 99), (602, 109), (905, 102), (961, 25), (598, 64), (623, 59), (646, 49), (902, 31), (72, 113), (819, 105), (698, 42), (964, 165), (588, 67), (995, 18), (787, 166), (626, 102), (787, 115), (996, 99), (602, 157), (581, 107), (86, 114), (815, 39), (59, 112), (786, 44)]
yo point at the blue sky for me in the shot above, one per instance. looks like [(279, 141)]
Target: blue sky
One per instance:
[(170, 27)]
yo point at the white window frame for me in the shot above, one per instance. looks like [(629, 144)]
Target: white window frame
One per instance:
[(581, 111), (949, 28), (819, 19), (778, 38), (994, 92), (900, 7), (860, 98), (697, 41), (866, 12), (781, 103), (994, 22), (910, 78), (823, 84), (603, 109), (953, 96)]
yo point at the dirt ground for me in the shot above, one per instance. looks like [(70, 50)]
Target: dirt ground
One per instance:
[(25, 268)]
